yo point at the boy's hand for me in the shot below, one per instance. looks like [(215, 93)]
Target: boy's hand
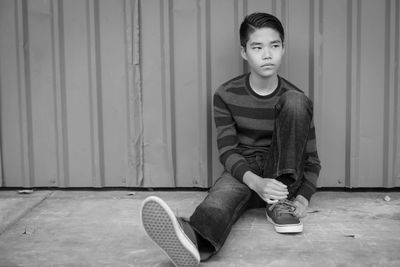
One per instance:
[(270, 190), (301, 204)]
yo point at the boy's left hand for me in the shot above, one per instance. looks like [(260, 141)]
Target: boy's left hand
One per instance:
[(301, 204)]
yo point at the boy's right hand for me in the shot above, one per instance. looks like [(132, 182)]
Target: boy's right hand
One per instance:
[(270, 190)]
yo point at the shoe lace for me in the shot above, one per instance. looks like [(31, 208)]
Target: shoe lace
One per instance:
[(283, 206)]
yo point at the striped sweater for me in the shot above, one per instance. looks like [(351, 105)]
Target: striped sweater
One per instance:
[(245, 123)]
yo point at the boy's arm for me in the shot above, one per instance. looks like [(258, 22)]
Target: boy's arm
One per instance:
[(312, 166), (227, 140)]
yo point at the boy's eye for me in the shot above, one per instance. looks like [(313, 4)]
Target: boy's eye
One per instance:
[(256, 48)]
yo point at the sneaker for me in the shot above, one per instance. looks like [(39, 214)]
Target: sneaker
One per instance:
[(166, 231), (280, 214)]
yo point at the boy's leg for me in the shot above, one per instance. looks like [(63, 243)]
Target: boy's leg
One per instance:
[(213, 218), (188, 242), (285, 160), (293, 115), (209, 225)]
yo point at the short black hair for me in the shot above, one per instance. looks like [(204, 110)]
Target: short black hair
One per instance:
[(257, 21)]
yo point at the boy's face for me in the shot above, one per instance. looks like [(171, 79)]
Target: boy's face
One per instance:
[(264, 51)]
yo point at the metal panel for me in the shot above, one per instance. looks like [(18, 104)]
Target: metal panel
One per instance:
[(328, 77), (372, 93), (158, 130), (17, 169), (85, 102), (69, 103)]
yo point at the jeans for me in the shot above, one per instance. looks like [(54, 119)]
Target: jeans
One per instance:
[(229, 198)]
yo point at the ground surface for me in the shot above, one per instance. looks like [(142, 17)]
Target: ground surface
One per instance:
[(102, 228)]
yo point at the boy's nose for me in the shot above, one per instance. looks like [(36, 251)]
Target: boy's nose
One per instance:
[(267, 54)]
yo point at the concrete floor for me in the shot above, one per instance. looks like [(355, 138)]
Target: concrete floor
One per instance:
[(102, 228)]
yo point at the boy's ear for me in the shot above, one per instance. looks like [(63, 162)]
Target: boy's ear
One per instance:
[(243, 53)]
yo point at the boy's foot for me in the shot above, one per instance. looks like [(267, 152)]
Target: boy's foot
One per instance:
[(280, 214), (166, 231)]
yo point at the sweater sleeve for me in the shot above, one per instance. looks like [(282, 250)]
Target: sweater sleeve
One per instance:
[(227, 140), (312, 166)]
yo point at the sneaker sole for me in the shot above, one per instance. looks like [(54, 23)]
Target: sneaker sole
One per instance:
[(286, 228), (164, 229)]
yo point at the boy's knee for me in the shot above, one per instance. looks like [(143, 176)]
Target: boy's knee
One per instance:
[(294, 101), (227, 193), (228, 185)]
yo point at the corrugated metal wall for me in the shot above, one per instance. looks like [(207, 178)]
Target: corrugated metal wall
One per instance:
[(119, 93)]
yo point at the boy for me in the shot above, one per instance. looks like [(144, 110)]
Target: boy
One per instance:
[(266, 142)]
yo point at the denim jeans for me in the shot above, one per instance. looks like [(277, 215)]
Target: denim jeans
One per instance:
[(229, 198)]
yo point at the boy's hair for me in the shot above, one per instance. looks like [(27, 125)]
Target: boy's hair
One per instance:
[(256, 21)]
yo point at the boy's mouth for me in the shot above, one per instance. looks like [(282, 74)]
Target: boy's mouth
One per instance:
[(267, 65)]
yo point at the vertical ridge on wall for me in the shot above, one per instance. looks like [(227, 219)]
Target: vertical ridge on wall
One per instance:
[(170, 78), (355, 91), (169, 122), (1, 152), (94, 83), (204, 72), (1, 132), (58, 62), (168, 94), (99, 131), (245, 12), (311, 57), (134, 99), (207, 70), (391, 138), (396, 152), (394, 115), (139, 103), (26, 100), (315, 63), (240, 8), (349, 95), (280, 8), (386, 137), (168, 82)]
